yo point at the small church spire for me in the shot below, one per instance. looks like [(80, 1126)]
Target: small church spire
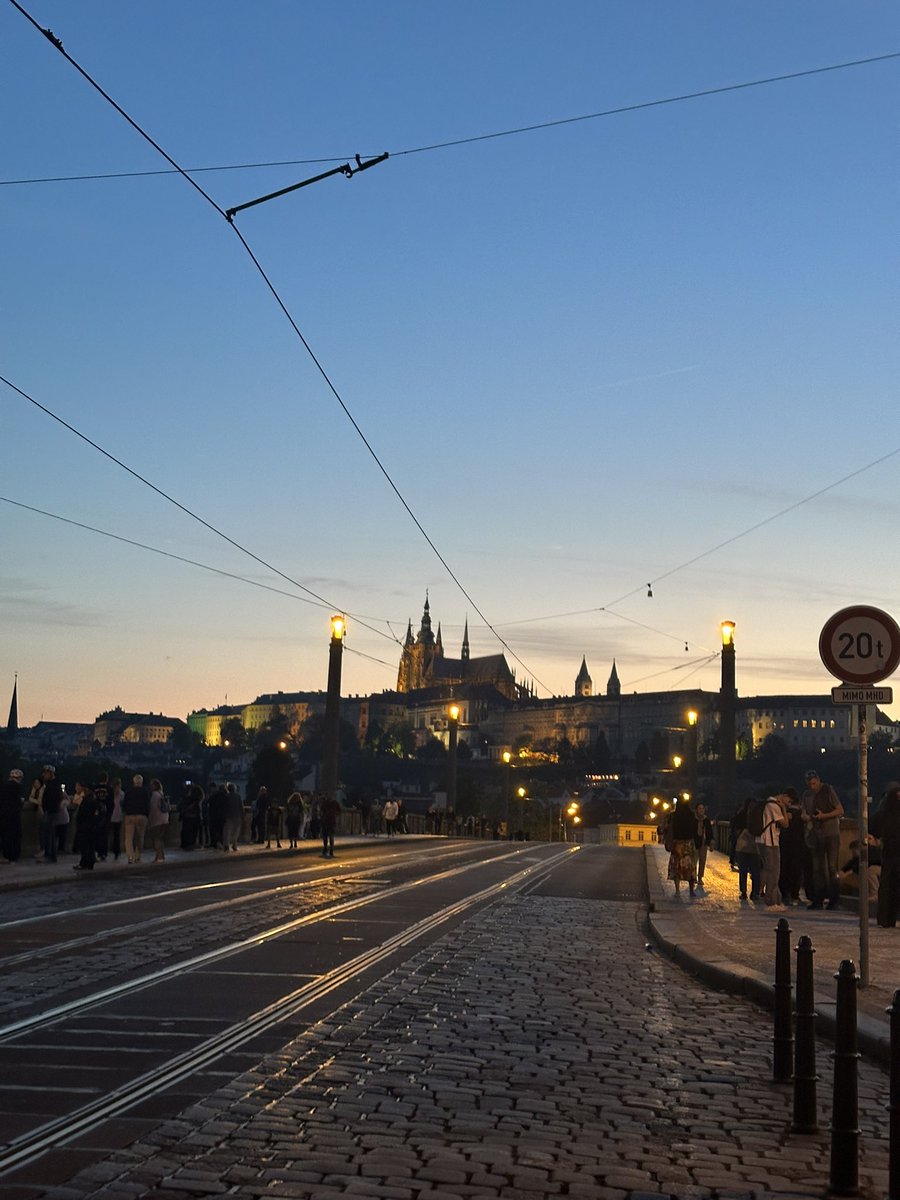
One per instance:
[(465, 645), (12, 725), (613, 687), (583, 682)]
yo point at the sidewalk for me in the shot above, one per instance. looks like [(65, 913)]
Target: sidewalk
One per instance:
[(732, 945)]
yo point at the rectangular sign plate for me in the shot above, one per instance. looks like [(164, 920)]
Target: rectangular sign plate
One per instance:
[(846, 694)]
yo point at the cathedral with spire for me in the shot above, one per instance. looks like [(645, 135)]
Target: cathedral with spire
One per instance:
[(423, 664)]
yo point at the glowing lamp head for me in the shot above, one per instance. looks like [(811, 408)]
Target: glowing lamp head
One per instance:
[(676, 761), (692, 717), (727, 628), (454, 712), (507, 757), (520, 792), (338, 627)]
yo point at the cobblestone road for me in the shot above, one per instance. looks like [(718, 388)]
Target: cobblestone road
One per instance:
[(538, 1050)]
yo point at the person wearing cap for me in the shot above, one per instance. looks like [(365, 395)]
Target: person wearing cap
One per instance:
[(11, 799), (885, 825), (822, 812)]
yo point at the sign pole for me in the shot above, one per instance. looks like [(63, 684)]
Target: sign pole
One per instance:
[(863, 849), (860, 645)]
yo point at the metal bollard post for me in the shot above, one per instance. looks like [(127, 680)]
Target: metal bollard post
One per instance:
[(894, 1103), (783, 1037), (805, 1043), (845, 1107)]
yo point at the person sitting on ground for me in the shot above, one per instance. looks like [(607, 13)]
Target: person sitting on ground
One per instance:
[(848, 875), (885, 826)]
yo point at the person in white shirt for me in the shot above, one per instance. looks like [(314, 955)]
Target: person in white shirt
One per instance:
[(775, 818)]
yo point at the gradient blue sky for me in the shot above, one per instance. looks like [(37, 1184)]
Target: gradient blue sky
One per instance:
[(585, 355)]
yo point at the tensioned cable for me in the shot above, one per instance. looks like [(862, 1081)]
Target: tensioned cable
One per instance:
[(192, 562), (181, 507), (696, 663), (483, 137), (582, 612), (84, 74)]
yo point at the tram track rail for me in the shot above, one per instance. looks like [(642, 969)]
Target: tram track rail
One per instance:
[(48, 1016), (60, 1131), (147, 925)]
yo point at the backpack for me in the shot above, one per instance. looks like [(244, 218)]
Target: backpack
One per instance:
[(755, 814)]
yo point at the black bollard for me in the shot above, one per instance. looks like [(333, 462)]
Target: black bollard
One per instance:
[(805, 1043), (783, 1037), (845, 1107), (894, 1103)]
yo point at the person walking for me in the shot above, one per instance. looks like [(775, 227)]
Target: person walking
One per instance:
[(116, 817), (11, 800), (91, 817), (103, 793), (885, 825), (234, 817), (793, 851), (703, 839), (190, 816), (329, 811), (293, 819), (681, 832), (135, 815), (51, 798), (218, 805), (389, 815), (822, 812), (158, 820), (261, 808)]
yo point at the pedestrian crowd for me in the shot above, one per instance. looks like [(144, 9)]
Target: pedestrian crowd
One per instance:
[(102, 818), (786, 849)]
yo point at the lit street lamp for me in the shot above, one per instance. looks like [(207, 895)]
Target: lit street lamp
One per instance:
[(507, 780), (520, 792), (453, 726), (727, 697), (333, 708)]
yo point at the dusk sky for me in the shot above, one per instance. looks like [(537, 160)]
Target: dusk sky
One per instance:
[(588, 357)]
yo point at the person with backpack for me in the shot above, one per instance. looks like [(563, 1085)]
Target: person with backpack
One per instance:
[(765, 820), (746, 858), (158, 820)]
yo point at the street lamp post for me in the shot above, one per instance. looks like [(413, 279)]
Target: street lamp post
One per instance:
[(692, 719), (453, 727), (726, 719), (520, 792), (333, 708), (507, 781)]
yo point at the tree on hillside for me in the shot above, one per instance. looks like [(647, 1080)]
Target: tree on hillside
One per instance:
[(272, 769), (234, 733)]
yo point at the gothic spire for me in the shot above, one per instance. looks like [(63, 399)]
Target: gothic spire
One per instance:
[(12, 725), (465, 645), (613, 687)]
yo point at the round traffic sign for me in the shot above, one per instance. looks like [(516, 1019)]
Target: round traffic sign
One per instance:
[(860, 644)]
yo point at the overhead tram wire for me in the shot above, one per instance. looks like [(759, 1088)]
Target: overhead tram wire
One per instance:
[(171, 499), (192, 562), (57, 43), (608, 608), (472, 139)]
